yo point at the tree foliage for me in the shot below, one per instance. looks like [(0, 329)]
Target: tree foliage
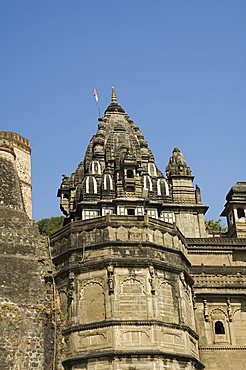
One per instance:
[(214, 225), (48, 226)]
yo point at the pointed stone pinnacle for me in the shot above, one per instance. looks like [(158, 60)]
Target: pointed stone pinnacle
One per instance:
[(113, 96)]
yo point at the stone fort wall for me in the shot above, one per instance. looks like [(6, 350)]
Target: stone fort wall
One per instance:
[(22, 150)]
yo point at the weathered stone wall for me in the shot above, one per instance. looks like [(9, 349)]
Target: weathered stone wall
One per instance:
[(217, 252), (228, 348), (23, 166), (26, 333), (219, 273), (140, 362), (22, 151), (25, 301), (190, 222), (10, 192)]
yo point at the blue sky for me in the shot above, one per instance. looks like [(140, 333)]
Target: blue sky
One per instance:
[(179, 72)]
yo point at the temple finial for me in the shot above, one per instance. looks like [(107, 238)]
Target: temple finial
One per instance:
[(114, 106), (113, 96)]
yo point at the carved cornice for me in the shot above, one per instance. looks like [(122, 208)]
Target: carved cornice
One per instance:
[(119, 244), (15, 138), (79, 267), (191, 207), (224, 348), (219, 281), (79, 358), (116, 221), (218, 270), (230, 243), (109, 323)]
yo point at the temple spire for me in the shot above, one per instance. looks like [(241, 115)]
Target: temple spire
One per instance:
[(177, 165), (113, 96), (114, 106)]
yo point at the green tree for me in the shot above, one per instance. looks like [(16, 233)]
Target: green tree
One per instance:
[(48, 226), (215, 225)]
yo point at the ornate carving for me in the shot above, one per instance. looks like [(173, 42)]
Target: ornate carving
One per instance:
[(205, 310), (132, 279), (71, 284), (212, 280), (198, 195), (193, 299), (117, 147), (110, 271), (177, 165), (183, 281), (95, 339), (152, 279), (135, 336), (229, 309)]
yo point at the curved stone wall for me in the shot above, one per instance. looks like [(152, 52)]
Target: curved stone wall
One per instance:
[(125, 289)]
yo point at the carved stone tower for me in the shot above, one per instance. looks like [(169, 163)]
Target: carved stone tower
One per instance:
[(122, 270), (189, 210)]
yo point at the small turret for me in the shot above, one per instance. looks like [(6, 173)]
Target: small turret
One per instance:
[(177, 165), (10, 190), (235, 210), (21, 157), (180, 175), (190, 211)]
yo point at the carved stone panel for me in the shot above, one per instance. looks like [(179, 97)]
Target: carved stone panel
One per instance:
[(167, 310), (132, 299), (92, 303)]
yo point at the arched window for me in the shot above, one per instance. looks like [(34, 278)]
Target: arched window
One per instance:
[(147, 183), (231, 221), (130, 174), (151, 169), (240, 213), (108, 182), (90, 185), (95, 168), (162, 187), (219, 327)]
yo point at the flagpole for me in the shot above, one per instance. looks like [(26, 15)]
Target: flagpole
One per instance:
[(98, 107)]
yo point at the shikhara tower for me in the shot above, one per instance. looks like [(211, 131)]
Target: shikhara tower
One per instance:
[(122, 268), (118, 176)]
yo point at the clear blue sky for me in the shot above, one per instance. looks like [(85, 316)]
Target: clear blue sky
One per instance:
[(178, 68)]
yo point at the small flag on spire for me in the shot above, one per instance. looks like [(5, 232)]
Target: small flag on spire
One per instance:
[(96, 98), (95, 95)]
